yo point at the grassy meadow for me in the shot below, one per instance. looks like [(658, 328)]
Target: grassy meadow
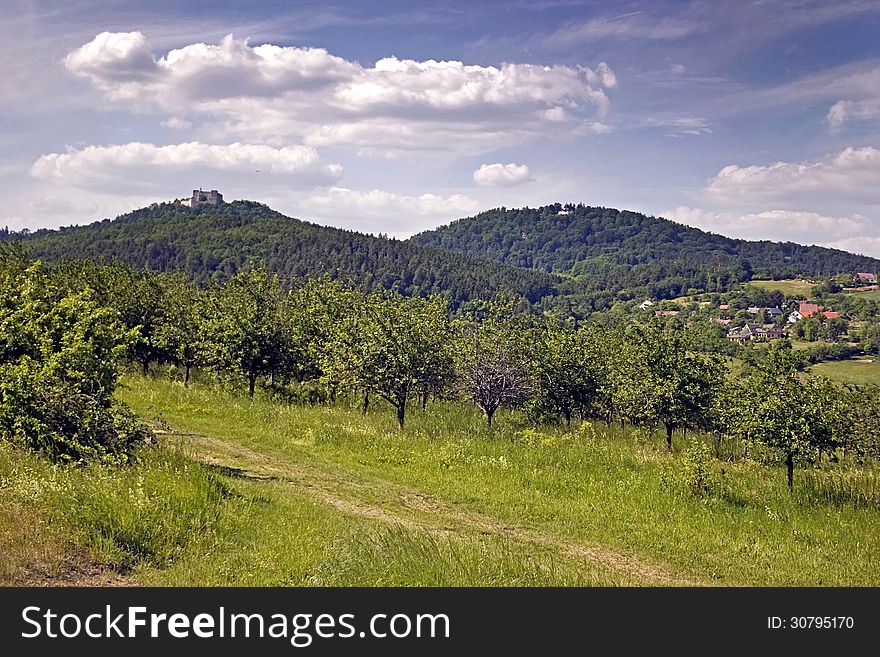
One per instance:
[(259, 492), (795, 287), (859, 371)]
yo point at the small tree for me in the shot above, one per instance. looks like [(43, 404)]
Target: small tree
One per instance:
[(787, 413), (401, 345), (177, 335), (246, 329), (493, 361), (568, 372), (658, 380)]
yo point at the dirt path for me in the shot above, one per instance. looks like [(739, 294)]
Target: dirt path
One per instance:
[(390, 503)]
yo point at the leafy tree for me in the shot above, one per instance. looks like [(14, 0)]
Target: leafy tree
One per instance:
[(59, 355), (659, 380), (568, 372), (402, 345), (246, 329), (795, 416), (177, 335)]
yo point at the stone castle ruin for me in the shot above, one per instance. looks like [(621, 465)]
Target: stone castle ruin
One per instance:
[(200, 197)]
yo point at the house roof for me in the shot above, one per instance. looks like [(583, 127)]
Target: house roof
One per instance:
[(831, 314), (809, 309)]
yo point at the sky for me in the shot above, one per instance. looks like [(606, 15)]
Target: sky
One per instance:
[(755, 119)]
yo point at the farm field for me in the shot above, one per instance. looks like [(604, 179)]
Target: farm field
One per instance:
[(860, 371), (796, 287), (318, 495), (872, 294)]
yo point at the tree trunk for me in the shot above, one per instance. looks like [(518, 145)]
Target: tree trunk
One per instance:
[(424, 400), (401, 410), (252, 383), (146, 365), (567, 415), (186, 374), (490, 413), (366, 403), (669, 428), (789, 465)]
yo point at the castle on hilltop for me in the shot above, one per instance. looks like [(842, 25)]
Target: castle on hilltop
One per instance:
[(200, 197)]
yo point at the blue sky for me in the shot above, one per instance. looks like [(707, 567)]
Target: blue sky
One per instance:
[(751, 119)]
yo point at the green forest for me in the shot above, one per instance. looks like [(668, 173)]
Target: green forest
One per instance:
[(576, 261)]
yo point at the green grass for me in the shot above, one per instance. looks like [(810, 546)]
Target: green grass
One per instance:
[(859, 371), (871, 295), (512, 505), (796, 287)]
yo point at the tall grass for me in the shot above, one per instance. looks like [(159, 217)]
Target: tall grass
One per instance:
[(602, 485), (120, 515)]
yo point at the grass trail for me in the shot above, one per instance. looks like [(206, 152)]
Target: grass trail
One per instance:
[(601, 503), (392, 504)]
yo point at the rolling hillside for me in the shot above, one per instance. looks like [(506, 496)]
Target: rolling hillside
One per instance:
[(577, 259), (620, 251), (214, 243)]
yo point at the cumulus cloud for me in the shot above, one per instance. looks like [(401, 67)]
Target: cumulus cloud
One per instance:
[(853, 174), (502, 175), (781, 225), (379, 202), (274, 93), (149, 166)]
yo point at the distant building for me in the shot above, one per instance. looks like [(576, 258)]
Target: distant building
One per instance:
[(831, 314), (866, 277), (807, 309), (756, 332), (665, 313), (647, 303), (205, 198)]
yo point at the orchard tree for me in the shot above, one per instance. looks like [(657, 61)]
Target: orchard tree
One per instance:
[(659, 380), (177, 335), (401, 345), (568, 372), (493, 360), (246, 327), (788, 413)]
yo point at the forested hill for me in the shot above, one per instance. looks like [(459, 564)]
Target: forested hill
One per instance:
[(215, 242), (577, 259), (621, 250)]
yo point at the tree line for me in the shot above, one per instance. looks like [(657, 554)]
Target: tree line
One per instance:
[(71, 324)]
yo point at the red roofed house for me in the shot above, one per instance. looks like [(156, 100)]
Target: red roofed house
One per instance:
[(831, 314), (865, 277), (809, 309)]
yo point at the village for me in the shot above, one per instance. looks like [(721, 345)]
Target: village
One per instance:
[(828, 315)]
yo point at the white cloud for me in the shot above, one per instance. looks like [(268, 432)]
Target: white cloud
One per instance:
[(378, 202), (844, 111), (679, 126), (148, 166), (855, 233), (502, 175), (272, 94), (177, 123), (852, 175)]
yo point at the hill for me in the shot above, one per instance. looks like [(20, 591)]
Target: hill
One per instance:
[(577, 259), (215, 242), (629, 253)]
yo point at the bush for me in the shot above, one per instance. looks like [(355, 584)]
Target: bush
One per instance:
[(59, 356)]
